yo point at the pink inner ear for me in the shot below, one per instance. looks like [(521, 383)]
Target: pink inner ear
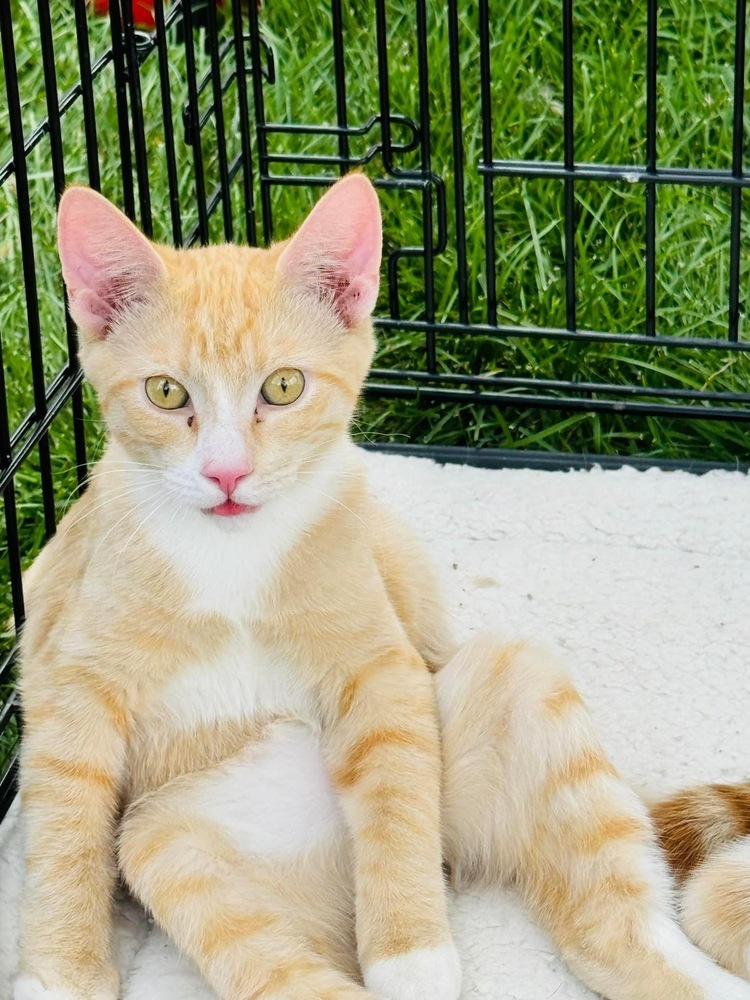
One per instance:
[(107, 264), (336, 252)]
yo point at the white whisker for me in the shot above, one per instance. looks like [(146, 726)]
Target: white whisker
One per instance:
[(337, 501), (98, 475), (138, 527), (317, 446), (123, 462), (109, 500), (124, 517)]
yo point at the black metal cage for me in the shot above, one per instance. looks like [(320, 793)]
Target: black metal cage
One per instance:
[(562, 189)]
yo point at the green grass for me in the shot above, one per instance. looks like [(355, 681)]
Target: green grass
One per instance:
[(695, 87), (695, 128)]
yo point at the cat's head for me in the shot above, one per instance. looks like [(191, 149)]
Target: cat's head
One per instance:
[(226, 371)]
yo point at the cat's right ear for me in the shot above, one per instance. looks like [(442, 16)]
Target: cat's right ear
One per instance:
[(107, 264), (335, 254)]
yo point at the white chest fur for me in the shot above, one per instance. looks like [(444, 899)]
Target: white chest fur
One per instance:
[(228, 564)]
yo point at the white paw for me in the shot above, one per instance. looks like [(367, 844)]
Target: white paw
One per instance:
[(424, 974), (27, 988)]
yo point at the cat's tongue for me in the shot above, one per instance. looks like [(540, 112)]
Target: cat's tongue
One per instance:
[(230, 509)]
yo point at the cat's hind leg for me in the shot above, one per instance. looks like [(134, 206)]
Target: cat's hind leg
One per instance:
[(248, 874), (530, 797)]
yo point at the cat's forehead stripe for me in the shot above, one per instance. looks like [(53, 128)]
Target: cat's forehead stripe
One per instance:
[(221, 298)]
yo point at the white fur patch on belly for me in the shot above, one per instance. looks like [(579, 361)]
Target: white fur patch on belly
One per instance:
[(276, 798)]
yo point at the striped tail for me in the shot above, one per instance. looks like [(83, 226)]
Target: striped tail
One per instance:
[(705, 833)]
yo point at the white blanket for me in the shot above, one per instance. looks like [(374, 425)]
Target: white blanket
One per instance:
[(643, 581)]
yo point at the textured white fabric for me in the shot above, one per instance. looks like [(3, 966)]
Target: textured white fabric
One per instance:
[(642, 579)]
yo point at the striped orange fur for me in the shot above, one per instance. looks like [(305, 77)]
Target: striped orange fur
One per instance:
[(245, 700), (705, 832)]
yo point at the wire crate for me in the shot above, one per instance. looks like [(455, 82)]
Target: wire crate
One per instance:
[(565, 257)]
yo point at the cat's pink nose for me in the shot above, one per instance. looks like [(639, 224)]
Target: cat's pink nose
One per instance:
[(226, 477)]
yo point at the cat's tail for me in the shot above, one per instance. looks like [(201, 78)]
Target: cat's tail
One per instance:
[(705, 832)]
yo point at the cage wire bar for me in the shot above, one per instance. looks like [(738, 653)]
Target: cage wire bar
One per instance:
[(224, 164), (565, 395)]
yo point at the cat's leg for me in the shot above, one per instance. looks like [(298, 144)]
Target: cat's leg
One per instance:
[(71, 765), (531, 796), (245, 868), (706, 834)]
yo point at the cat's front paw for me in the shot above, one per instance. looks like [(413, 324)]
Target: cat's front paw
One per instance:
[(29, 988), (423, 974)]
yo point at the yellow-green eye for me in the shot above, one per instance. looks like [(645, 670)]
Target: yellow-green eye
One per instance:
[(165, 393), (283, 387)]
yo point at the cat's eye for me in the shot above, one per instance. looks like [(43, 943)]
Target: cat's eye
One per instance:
[(165, 393), (283, 387)]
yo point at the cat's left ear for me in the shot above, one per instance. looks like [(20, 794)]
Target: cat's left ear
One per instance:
[(335, 254)]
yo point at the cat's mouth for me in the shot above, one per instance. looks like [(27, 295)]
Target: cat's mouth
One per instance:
[(230, 508)]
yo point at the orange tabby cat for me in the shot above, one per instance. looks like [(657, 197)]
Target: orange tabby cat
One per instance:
[(225, 668)]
